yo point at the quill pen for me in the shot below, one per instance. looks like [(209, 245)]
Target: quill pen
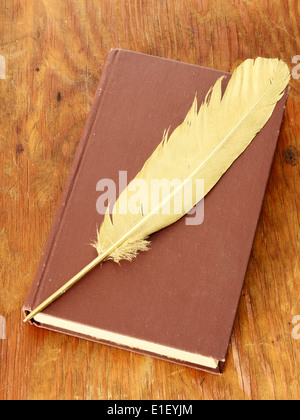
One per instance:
[(203, 147)]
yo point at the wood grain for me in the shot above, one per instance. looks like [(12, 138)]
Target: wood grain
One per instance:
[(54, 52)]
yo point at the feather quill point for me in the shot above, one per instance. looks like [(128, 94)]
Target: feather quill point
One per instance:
[(204, 146)]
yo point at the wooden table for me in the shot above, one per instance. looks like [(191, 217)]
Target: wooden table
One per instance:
[(54, 52)]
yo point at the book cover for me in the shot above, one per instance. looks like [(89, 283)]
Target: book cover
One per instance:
[(177, 301)]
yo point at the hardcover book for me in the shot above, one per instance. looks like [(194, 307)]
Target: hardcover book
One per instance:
[(177, 301)]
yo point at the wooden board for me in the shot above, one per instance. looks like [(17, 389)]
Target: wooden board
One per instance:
[(54, 53)]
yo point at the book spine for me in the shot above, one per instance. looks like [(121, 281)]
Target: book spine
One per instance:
[(38, 279)]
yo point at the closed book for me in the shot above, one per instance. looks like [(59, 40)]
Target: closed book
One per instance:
[(177, 301)]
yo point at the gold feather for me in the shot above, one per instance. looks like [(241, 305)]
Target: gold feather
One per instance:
[(204, 146)]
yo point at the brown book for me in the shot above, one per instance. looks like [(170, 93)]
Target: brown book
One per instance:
[(178, 300)]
